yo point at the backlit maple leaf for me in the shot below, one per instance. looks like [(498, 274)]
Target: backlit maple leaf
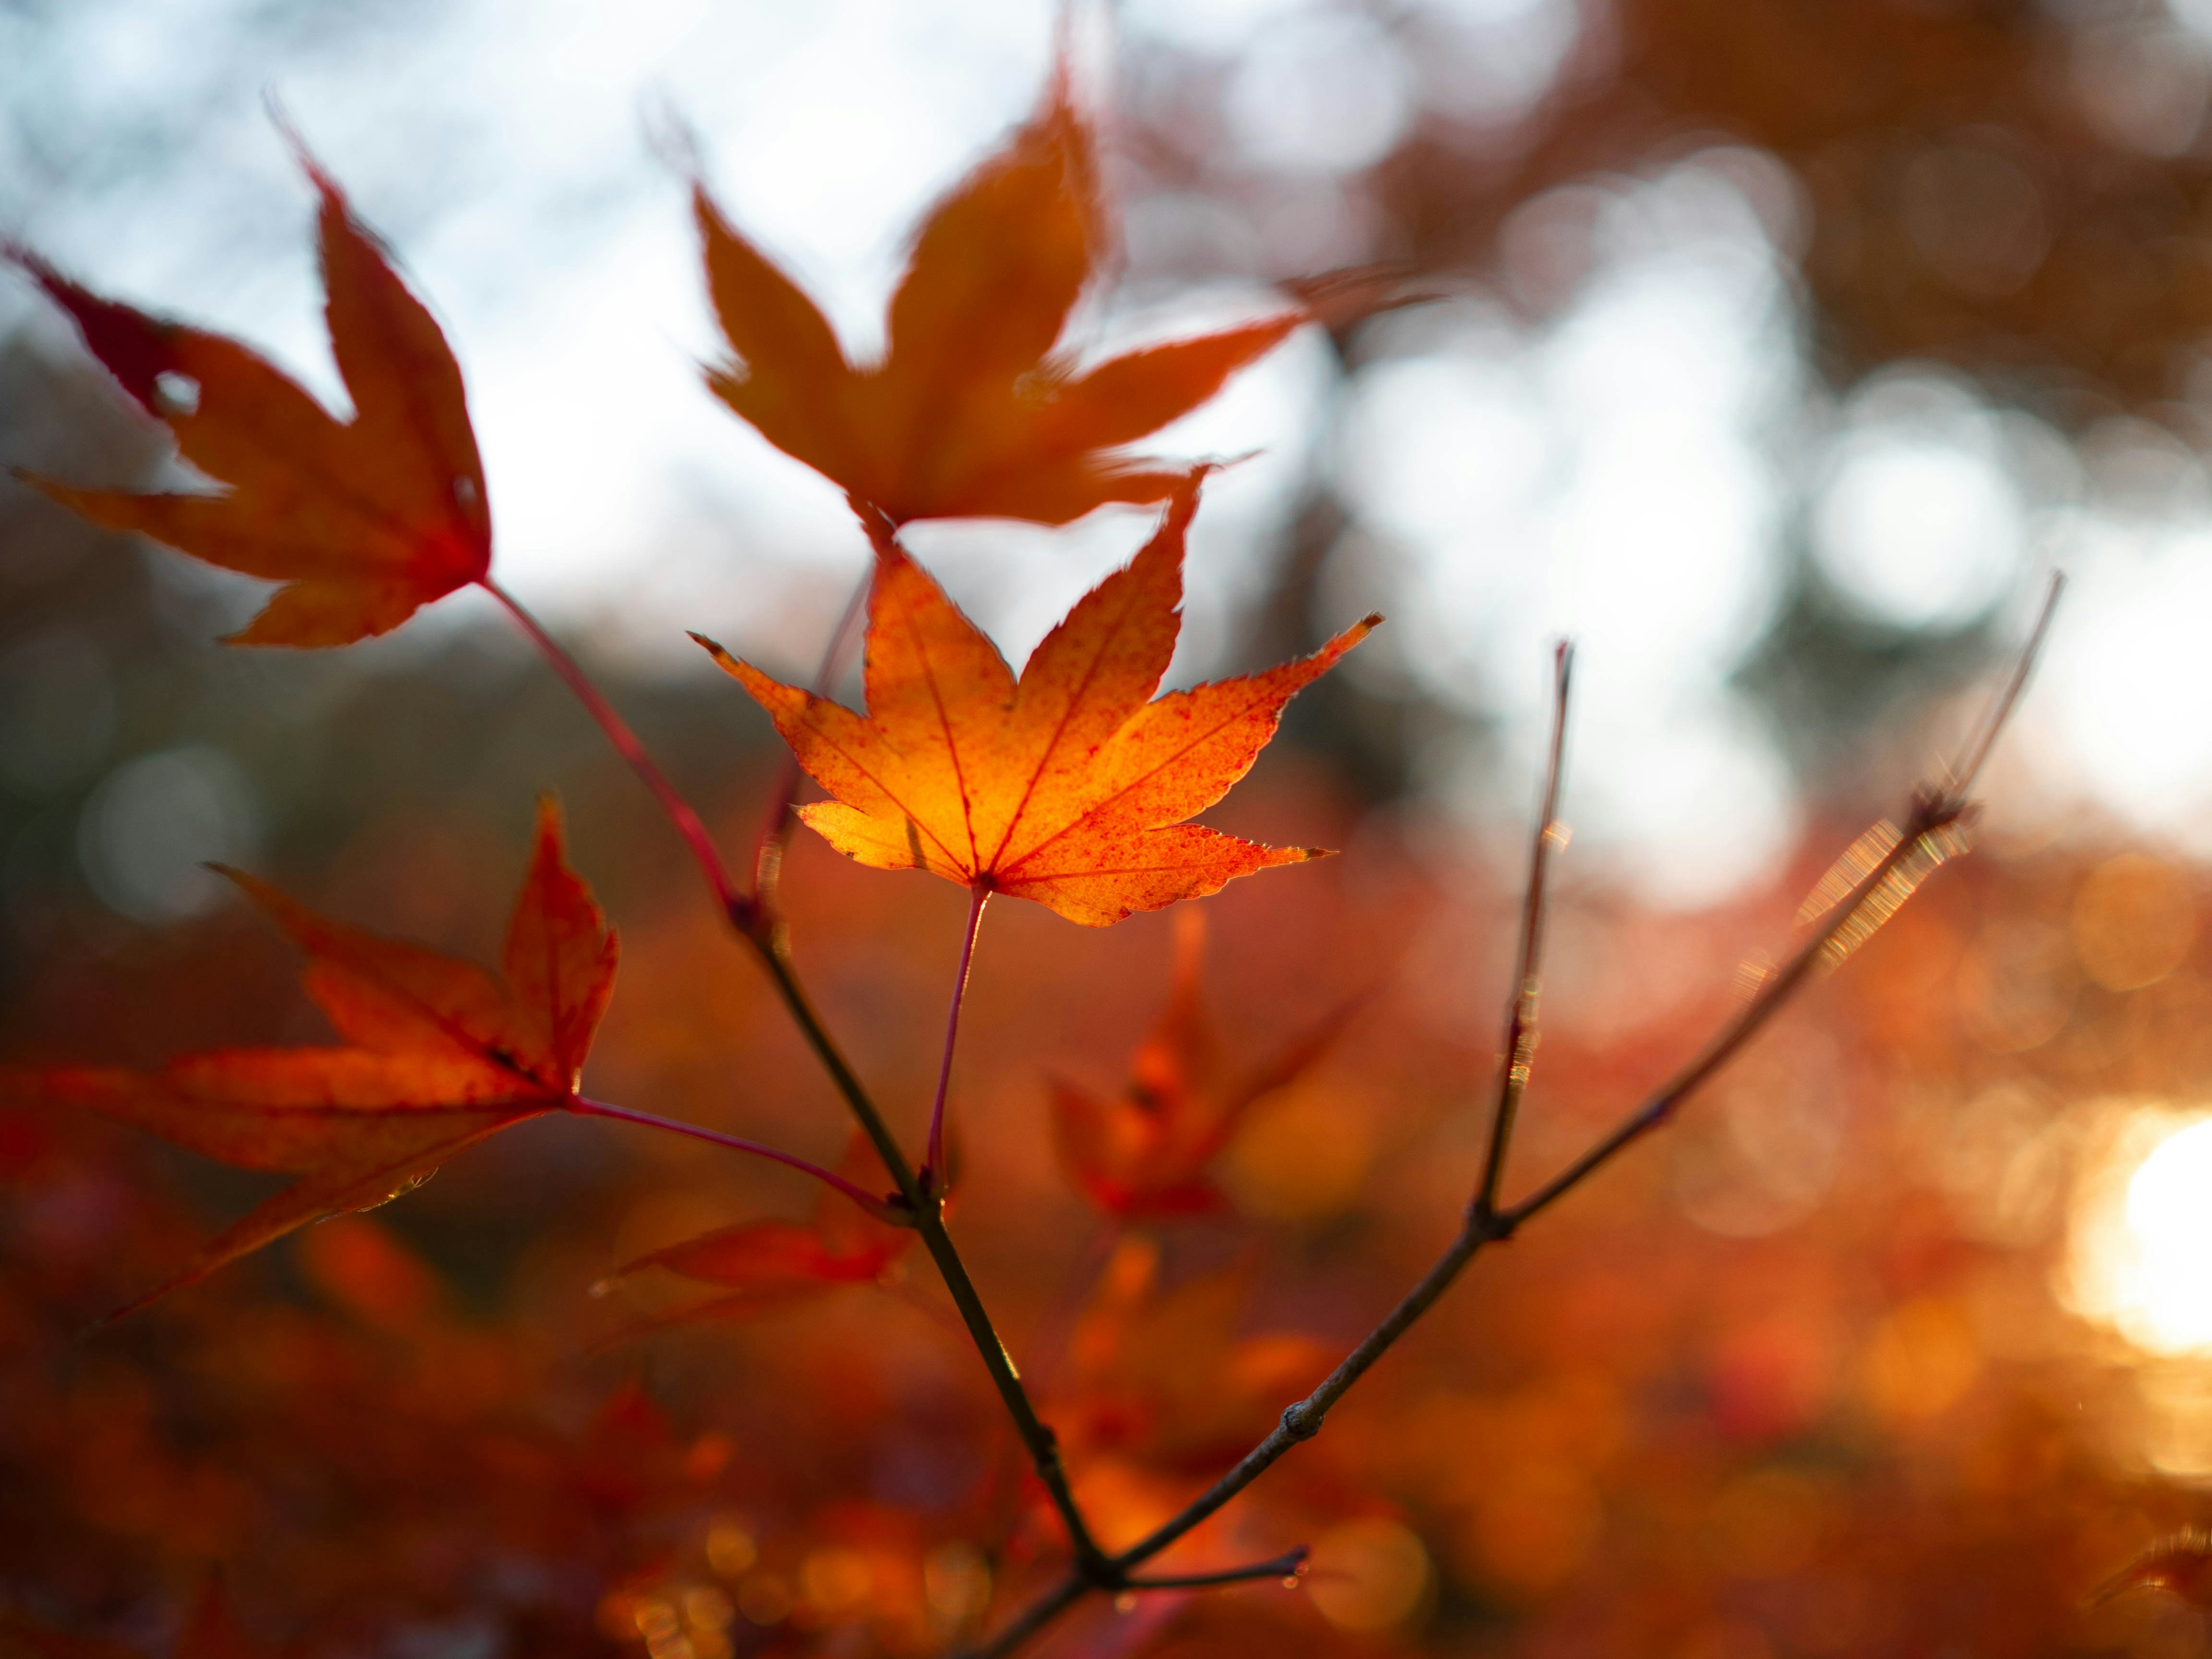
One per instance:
[(364, 520), (970, 414), (1069, 787), (440, 1054)]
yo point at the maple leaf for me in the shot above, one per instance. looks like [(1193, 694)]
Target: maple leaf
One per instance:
[(760, 1264), (441, 1054), (364, 520), (1144, 1153), (970, 414), (1068, 787)]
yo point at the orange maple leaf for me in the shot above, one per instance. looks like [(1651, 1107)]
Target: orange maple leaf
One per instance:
[(442, 1054), (363, 521), (1068, 787), (1143, 1153), (970, 414)]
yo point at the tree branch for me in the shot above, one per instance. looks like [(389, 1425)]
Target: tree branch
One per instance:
[(1519, 1054), (768, 938), (1288, 1565), (1926, 841)]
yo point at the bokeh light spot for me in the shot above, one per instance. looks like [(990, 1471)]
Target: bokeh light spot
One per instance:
[(1369, 1575), (2134, 920), (1325, 92), (155, 823), (1918, 525)]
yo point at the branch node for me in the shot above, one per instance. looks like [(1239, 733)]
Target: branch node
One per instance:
[(1488, 1224), (1301, 1421)]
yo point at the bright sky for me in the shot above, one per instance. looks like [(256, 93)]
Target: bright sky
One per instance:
[(1621, 474)]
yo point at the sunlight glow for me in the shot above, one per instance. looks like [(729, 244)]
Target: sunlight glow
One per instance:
[(2172, 1227), (1607, 474), (2141, 1259)]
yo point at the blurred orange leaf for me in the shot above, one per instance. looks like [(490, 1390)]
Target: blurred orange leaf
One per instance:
[(1068, 787), (1144, 1152), (1161, 1375), (970, 414), (363, 521), (765, 1264), (442, 1054)]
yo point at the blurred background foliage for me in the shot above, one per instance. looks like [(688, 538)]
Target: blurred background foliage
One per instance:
[(1773, 350)]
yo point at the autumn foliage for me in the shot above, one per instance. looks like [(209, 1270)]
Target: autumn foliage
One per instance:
[(440, 1053), (971, 413), (1070, 1276)]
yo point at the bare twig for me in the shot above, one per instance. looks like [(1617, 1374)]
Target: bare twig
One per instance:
[(1935, 815), (1520, 1051), (1927, 838), (1288, 1565), (2000, 712)]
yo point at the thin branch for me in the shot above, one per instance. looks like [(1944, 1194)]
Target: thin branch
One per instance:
[(1931, 815), (934, 1172), (1934, 815), (776, 827), (1034, 1617), (1302, 1421), (1520, 1050), (871, 1202), (626, 744), (1288, 1565), (1932, 818), (2000, 712), (770, 939)]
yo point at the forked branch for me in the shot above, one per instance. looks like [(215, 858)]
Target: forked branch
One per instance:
[(1929, 834)]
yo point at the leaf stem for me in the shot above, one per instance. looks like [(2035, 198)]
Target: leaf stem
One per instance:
[(872, 1202), (933, 1173), (678, 810), (1520, 1050), (1933, 814)]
